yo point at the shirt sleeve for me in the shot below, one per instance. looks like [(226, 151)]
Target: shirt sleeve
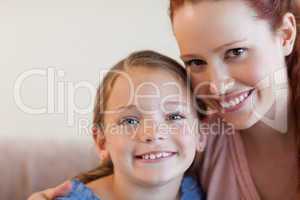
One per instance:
[(79, 192)]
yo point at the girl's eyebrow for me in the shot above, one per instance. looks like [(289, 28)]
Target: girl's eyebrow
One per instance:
[(127, 107), (176, 103), (134, 107)]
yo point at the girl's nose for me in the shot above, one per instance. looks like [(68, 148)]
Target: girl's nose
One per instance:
[(152, 133), (152, 139)]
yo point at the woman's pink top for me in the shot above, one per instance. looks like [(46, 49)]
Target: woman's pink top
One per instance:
[(225, 174)]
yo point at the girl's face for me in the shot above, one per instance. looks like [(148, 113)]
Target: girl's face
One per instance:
[(151, 133), (235, 60)]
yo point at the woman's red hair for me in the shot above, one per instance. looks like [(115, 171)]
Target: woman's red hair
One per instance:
[(272, 11)]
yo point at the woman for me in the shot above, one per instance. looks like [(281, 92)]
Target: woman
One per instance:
[(242, 56), (235, 50)]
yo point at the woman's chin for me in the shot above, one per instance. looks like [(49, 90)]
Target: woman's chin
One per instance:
[(253, 111), (243, 121)]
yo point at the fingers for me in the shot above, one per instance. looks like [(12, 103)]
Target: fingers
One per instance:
[(38, 196), (50, 194), (60, 191)]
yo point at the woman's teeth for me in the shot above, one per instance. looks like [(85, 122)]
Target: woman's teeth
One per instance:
[(235, 101), (153, 156)]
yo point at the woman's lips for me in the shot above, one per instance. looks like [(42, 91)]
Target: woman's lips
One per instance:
[(233, 102)]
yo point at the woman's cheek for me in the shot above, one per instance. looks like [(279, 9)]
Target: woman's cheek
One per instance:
[(255, 72)]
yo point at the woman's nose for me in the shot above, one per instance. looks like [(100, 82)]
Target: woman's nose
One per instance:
[(221, 87), (220, 80)]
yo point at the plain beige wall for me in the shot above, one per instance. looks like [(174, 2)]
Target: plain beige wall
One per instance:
[(67, 43)]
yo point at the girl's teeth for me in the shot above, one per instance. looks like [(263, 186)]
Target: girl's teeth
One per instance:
[(153, 156), (164, 154)]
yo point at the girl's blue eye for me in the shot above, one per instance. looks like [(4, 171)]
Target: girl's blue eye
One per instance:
[(195, 64), (175, 116), (235, 53), (130, 121)]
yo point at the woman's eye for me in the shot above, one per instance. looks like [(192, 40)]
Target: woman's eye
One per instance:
[(130, 121), (235, 53), (195, 64), (175, 116)]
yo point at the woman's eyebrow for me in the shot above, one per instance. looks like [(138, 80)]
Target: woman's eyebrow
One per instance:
[(189, 56), (228, 44)]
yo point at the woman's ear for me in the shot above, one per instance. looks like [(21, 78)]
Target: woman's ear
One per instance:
[(201, 142), (202, 134), (287, 32), (100, 143)]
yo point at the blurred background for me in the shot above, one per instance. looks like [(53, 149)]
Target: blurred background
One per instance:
[(53, 52), (52, 57)]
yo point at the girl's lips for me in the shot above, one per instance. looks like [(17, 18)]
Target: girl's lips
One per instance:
[(155, 156)]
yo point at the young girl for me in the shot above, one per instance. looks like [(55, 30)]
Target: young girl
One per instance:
[(145, 132), (243, 57)]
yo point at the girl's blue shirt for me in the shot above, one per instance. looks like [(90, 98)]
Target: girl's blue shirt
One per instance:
[(189, 188)]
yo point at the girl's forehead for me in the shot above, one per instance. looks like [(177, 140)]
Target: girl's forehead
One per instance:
[(147, 88), (145, 77)]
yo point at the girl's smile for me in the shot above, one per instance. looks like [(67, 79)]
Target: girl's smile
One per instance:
[(156, 138), (155, 156)]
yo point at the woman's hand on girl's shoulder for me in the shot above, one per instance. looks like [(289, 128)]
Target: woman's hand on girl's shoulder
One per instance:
[(51, 193)]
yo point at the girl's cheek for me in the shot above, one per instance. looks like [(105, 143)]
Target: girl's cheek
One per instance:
[(187, 131)]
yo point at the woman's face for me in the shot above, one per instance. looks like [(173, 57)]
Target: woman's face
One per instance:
[(235, 60)]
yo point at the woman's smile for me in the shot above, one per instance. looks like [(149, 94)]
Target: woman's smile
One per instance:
[(237, 54), (235, 101)]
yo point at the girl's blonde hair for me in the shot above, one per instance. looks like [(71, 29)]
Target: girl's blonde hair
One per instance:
[(137, 59)]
